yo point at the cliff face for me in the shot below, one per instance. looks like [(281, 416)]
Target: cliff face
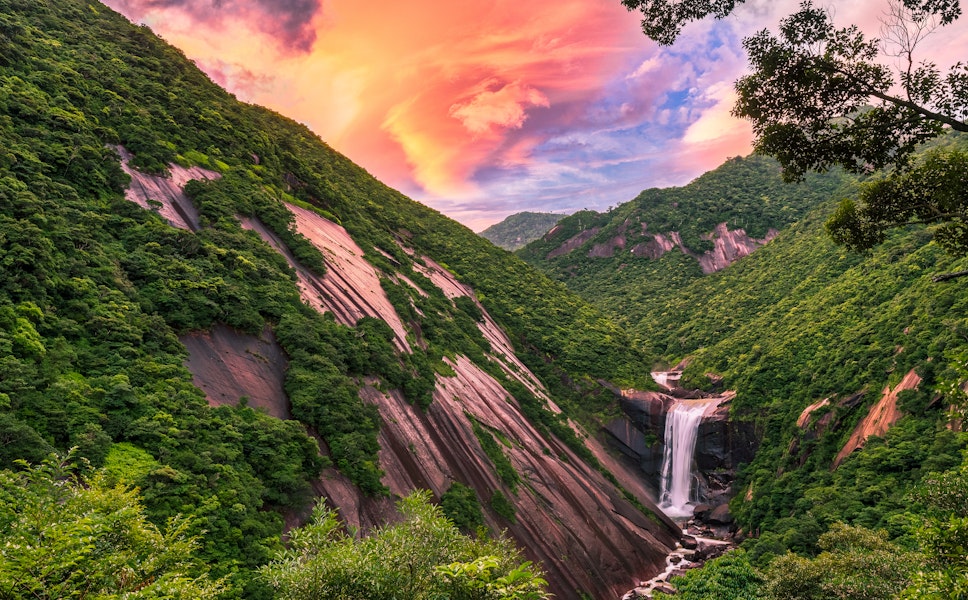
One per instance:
[(728, 245), (588, 537), (721, 445), (166, 195), (880, 418)]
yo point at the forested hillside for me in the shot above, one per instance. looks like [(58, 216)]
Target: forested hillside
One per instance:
[(647, 249), (847, 366), (802, 320), (851, 366), (97, 295)]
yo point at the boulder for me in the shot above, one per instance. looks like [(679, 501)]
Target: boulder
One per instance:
[(720, 515), (702, 511), (689, 542), (665, 589)]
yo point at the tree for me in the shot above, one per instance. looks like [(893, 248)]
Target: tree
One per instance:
[(663, 20), (819, 97), (729, 577), (934, 190), (422, 557), (62, 536), (942, 536), (856, 563)]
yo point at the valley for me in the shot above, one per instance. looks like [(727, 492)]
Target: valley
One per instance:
[(235, 364)]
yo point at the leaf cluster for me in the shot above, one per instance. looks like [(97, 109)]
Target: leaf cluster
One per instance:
[(64, 536), (933, 191), (424, 556), (817, 97)]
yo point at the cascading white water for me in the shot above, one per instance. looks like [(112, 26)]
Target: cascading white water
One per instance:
[(681, 430)]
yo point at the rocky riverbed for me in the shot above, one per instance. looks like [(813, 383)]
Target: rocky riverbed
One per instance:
[(692, 553)]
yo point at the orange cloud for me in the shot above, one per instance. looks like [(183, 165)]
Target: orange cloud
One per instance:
[(496, 107), (423, 92), (483, 109)]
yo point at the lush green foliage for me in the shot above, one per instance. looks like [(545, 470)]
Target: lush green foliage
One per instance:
[(461, 505), (502, 464), (423, 557), (745, 193), (94, 290), (729, 577), (855, 563), (66, 536), (520, 229), (942, 536), (503, 506), (933, 192), (859, 563)]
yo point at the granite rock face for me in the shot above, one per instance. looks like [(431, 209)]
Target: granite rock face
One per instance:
[(721, 445), (581, 528)]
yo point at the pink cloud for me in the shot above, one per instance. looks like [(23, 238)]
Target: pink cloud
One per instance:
[(289, 22), (494, 107), (464, 104)]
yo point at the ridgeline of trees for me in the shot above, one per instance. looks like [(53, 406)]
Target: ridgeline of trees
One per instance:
[(745, 193)]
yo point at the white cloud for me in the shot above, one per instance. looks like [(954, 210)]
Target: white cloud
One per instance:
[(496, 108)]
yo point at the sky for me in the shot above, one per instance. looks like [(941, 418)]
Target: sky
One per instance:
[(485, 109)]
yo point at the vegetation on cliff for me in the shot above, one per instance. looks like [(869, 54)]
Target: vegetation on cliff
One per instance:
[(627, 280), (94, 290)]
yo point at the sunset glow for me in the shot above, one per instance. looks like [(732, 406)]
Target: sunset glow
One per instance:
[(480, 109)]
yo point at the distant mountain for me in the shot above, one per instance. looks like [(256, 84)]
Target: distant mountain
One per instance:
[(645, 250), (520, 229)]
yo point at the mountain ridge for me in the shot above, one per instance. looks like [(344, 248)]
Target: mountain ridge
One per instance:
[(519, 229), (642, 251), (111, 136)]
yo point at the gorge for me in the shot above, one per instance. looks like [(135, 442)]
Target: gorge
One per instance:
[(210, 321)]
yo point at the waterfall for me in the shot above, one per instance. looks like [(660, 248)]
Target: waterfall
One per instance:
[(681, 429)]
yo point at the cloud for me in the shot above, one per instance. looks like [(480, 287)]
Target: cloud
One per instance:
[(496, 107), (237, 77), (289, 22), (484, 109)]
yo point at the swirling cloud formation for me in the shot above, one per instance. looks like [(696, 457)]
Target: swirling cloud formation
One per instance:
[(482, 109)]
